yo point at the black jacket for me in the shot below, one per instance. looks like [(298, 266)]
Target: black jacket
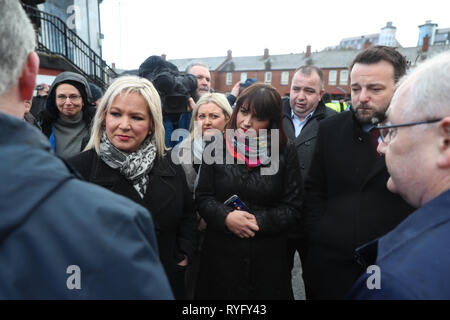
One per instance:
[(167, 199), (255, 268), (346, 204)]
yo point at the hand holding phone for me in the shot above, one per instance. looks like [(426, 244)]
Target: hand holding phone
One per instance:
[(240, 221), (235, 203)]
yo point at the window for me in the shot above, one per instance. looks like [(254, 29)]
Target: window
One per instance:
[(343, 77), (243, 77), (285, 78), (229, 78), (332, 78), (268, 77)]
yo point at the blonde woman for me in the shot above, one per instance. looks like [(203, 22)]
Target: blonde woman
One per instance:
[(126, 154), (209, 116)]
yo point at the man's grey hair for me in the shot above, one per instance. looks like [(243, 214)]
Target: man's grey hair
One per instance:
[(17, 41), (429, 89), (190, 66), (307, 71)]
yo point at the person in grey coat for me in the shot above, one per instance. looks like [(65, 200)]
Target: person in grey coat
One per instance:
[(301, 116)]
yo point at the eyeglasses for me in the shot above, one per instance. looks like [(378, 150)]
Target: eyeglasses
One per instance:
[(389, 131), (72, 98)]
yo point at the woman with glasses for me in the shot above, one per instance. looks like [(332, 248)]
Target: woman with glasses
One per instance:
[(126, 154), (68, 114), (244, 251)]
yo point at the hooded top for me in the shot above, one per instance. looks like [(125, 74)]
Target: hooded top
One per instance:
[(50, 221), (50, 116), (74, 79)]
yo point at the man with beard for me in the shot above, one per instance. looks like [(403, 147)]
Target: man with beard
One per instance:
[(347, 203), (413, 259)]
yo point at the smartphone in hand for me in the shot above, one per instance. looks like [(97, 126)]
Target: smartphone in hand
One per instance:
[(235, 203)]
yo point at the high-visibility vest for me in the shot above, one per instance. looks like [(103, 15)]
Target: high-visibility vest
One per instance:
[(336, 106), (333, 106)]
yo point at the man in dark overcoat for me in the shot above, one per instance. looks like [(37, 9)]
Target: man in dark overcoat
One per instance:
[(347, 203)]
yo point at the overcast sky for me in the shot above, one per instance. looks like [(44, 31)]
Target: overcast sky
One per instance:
[(137, 29)]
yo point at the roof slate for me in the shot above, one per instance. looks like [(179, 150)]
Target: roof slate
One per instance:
[(332, 59)]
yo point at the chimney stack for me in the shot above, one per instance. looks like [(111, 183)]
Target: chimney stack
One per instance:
[(426, 43), (229, 55), (308, 51), (266, 53), (113, 65), (164, 57)]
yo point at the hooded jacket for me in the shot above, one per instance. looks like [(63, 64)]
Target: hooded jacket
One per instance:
[(50, 224), (49, 116)]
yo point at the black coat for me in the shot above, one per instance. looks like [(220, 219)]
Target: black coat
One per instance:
[(346, 204), (254, 268), (167, 198)]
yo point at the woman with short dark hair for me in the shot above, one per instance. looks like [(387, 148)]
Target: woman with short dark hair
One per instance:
[(244, 252)]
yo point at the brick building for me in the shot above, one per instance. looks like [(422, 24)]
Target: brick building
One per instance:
[(278, 70)]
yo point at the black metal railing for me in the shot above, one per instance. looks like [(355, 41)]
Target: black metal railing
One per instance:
[(55, 37)]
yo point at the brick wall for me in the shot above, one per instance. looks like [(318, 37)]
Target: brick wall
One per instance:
[(221, 86)]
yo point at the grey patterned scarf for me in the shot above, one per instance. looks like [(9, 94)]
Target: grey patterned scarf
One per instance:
[(135, 166)]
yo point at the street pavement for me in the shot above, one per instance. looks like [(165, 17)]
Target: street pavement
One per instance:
[(297, 280)]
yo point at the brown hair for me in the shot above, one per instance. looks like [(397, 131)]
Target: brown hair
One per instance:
[(378, 53), (263, 102)]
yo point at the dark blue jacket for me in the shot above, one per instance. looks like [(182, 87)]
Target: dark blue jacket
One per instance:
[(50, 220), (414, 258)]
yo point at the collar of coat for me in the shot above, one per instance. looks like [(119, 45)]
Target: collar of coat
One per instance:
[(318, 113), (102, 173)]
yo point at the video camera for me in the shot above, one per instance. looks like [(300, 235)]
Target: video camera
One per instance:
[(174, 89)]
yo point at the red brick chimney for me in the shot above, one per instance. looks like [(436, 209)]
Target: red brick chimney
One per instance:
[(367, 44), (113, 65), (308, 51), (426, 43), (164, 57), (229, 55), (266, 53)]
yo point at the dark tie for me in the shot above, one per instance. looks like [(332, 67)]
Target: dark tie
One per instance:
[(375, 134)]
